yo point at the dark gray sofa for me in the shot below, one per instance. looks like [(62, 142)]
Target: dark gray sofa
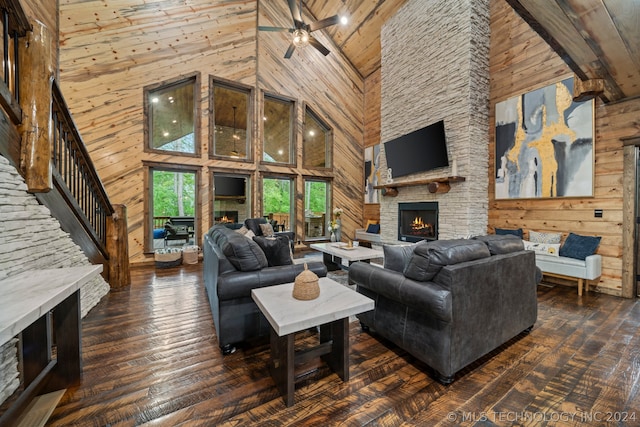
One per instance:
[(450, 302), (233, 265)]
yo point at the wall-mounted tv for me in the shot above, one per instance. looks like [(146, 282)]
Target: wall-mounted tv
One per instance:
[(229, 186), (419, 151)]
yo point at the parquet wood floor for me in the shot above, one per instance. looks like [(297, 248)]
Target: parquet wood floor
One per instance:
[(151, 358)]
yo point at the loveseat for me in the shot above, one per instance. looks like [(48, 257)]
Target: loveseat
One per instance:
[(450, 302), (233, 266)]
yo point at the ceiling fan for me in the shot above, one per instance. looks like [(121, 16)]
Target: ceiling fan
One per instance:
[(302, 31)]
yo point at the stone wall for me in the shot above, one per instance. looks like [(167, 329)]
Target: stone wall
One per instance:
[(444, 77), (30, 238)]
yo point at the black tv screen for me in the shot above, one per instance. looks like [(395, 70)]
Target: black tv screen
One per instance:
[(229, 186), (419, 151)]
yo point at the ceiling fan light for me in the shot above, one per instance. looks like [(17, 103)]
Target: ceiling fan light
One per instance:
[(300, 38)]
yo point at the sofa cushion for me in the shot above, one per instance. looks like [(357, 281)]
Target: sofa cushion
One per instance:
[(396, 257), (538, 237), (243, 253), (276, 249), (429, 257), (501, 244), (504, 231), (579, 247)]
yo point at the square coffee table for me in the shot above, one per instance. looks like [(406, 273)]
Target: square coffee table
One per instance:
[(334, 253), (287, 315)]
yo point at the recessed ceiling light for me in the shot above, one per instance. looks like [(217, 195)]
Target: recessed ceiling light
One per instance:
[(165, 134), (344, 20)]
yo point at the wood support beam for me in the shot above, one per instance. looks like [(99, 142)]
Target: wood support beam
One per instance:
[(36, 130), (584, 90), (118, 248)]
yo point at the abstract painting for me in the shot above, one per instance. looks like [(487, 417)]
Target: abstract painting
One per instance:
[(371, 174), (544, 144)]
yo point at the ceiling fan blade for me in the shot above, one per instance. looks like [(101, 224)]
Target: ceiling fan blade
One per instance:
[(295, 13), (289, 52), (323, 23), (315, 43), (261, 28)]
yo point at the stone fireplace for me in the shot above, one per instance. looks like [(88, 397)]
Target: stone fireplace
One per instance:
[(446, 77), (417, 221)]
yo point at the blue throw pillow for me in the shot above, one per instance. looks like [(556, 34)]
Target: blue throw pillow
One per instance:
[(515, 232), (373, 228), (159, 233), (579, 247)]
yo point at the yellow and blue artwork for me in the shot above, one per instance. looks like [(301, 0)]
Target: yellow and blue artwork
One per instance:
[(544, 144)]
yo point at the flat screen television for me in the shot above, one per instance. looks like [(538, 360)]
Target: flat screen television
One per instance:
[(419, 151), (229, 186)]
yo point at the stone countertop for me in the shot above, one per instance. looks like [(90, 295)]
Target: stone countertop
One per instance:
[(28, 296)]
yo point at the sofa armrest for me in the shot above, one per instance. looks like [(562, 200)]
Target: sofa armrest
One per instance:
[(593, 265), (238, 284), (422, 296)]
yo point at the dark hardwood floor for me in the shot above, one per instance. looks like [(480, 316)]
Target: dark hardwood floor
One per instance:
[(151, 357)]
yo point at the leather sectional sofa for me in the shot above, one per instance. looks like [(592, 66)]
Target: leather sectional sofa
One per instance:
[(450, 302), (233, 265)]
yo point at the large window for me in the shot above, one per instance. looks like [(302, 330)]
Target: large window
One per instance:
[(231, 120), (316, 142), (231, 201), (172, 206), (171, 111), (277, 201), (278, 141), (317, 199)]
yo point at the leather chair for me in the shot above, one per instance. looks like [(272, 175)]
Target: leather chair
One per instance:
[(253, 224)]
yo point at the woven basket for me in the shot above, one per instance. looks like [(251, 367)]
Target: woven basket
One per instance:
[(190, 254), (168, 260), (306, 286)]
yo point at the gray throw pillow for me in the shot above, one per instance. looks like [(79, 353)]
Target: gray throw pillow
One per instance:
[(243, 253)]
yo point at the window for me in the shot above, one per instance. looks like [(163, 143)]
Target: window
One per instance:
[(231, 193), (231, 120), (317, 199), (172, 199), (172, 112), (316, 142), (277, 201), (278, 141)]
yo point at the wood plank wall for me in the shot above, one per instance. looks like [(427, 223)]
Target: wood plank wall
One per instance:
[(521, 61), (110, 50), (372, 123)]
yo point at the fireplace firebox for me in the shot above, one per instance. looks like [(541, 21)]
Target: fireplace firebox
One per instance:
[(417, 221)]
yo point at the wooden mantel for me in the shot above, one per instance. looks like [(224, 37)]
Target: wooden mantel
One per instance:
[(435, 185)]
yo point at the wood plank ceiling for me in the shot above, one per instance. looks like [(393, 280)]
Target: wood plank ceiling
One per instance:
[(598, 39)]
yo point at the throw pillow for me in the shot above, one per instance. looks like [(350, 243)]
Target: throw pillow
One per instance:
[(244, 254), (537, 237), (515, 232), (249, 234), (396, 257), (276, 249), (373, 228), (267, 230), (542, 248), (579, 247), (242, 230)]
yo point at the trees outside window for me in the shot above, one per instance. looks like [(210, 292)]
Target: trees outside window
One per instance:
[(317, 200), (277, 200)]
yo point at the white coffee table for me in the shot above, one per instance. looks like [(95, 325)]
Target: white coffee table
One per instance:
[(287, 315), (334, 253)]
